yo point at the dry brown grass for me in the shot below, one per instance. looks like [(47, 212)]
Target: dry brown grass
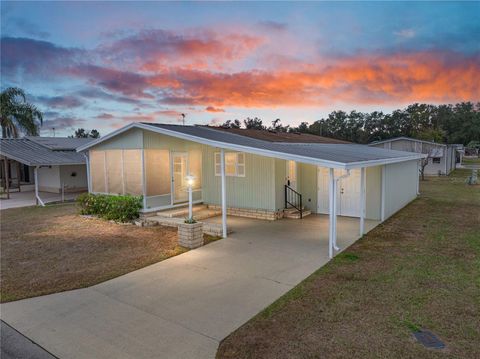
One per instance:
[(420, 269), (53, 249)]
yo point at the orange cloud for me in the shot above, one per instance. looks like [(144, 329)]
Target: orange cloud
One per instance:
[(214, 109), (381, 79)]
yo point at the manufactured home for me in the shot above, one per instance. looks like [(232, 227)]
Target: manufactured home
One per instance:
[(249, 177), (442, 158)]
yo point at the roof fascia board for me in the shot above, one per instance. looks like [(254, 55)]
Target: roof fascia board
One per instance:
[(372, 163), (15, 158)]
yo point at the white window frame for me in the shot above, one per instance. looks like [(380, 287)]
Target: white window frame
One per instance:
[(216, 161)]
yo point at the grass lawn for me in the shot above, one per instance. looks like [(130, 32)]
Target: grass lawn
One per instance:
[(52, 249), (471, 161), (419, 269)]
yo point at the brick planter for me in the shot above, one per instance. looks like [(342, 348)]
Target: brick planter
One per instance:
[(190, 235)]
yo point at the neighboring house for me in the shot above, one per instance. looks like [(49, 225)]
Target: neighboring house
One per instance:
[(47, 164), (251, 177), (442, 158)]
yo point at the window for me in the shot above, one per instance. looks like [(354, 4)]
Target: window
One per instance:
[(234, 164), (436, 160)]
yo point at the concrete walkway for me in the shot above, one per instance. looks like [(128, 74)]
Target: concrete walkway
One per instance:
[(27, 198), (181, 307)]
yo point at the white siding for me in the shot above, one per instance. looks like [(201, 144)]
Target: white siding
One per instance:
[(49, 179), (400, 185), (74, 177)]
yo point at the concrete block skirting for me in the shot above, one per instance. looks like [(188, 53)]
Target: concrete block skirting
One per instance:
[(190, 235), (250, 213)]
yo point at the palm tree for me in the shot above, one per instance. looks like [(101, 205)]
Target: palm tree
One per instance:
[(17, 115)]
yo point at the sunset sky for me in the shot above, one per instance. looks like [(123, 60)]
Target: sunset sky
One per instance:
[(103, 65)]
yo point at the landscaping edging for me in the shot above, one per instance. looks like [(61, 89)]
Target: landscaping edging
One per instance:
[(190, 235)]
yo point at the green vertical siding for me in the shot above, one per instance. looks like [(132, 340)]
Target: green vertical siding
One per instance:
[(158, 141), (280, 173), (373, 192), (307, 185), (400, 185), (131, 139), (254, 191)]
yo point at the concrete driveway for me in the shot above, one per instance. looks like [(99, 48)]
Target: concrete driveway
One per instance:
[(27, 198), (184, 306)]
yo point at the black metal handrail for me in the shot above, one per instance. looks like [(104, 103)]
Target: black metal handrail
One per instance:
[(294, 199)]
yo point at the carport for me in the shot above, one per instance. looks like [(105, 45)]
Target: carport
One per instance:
[(56, 168)]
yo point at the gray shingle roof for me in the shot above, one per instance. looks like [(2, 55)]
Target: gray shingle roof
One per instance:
[(341, 153), (60, 143), (328, 155), (31, 153)]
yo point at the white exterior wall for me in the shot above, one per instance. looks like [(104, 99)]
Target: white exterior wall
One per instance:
[(400, 185), (49, 179), (74, 183)]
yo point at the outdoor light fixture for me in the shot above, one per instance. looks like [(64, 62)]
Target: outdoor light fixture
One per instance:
[(190, 181)]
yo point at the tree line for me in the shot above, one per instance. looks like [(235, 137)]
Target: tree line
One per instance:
[(459, 123)]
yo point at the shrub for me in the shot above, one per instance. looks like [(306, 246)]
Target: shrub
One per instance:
[(117, 208)]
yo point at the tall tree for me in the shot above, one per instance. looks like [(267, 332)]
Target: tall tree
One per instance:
[(17, 115), (254, 123), (231, 124), (82, 133)]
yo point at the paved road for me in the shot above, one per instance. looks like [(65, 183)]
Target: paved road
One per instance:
[(184, 306)]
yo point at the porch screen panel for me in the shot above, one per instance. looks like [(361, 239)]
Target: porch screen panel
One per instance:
[(114, 171), (132, 172), (97, 171), (195, 167), (157, 171)]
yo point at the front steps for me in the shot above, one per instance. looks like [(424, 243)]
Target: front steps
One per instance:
[(199, 212), (293, 213)]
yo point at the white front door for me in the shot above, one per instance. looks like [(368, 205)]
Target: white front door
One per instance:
[(291, 175), (179, 174), (348, 192)]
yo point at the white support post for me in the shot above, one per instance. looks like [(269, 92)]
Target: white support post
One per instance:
[(331, 212), (362, 200), (37, 195), (224, 193), (144, 181), (335, 213), (382, 208), (190, 203)]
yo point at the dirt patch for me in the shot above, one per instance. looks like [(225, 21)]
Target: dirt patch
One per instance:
[(52, 249), (419, 269)]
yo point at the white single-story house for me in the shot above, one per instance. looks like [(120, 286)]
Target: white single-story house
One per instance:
[(247, 176), (442, 158), (43, 164)]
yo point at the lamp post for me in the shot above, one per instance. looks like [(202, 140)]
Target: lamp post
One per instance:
[(190, 181)]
